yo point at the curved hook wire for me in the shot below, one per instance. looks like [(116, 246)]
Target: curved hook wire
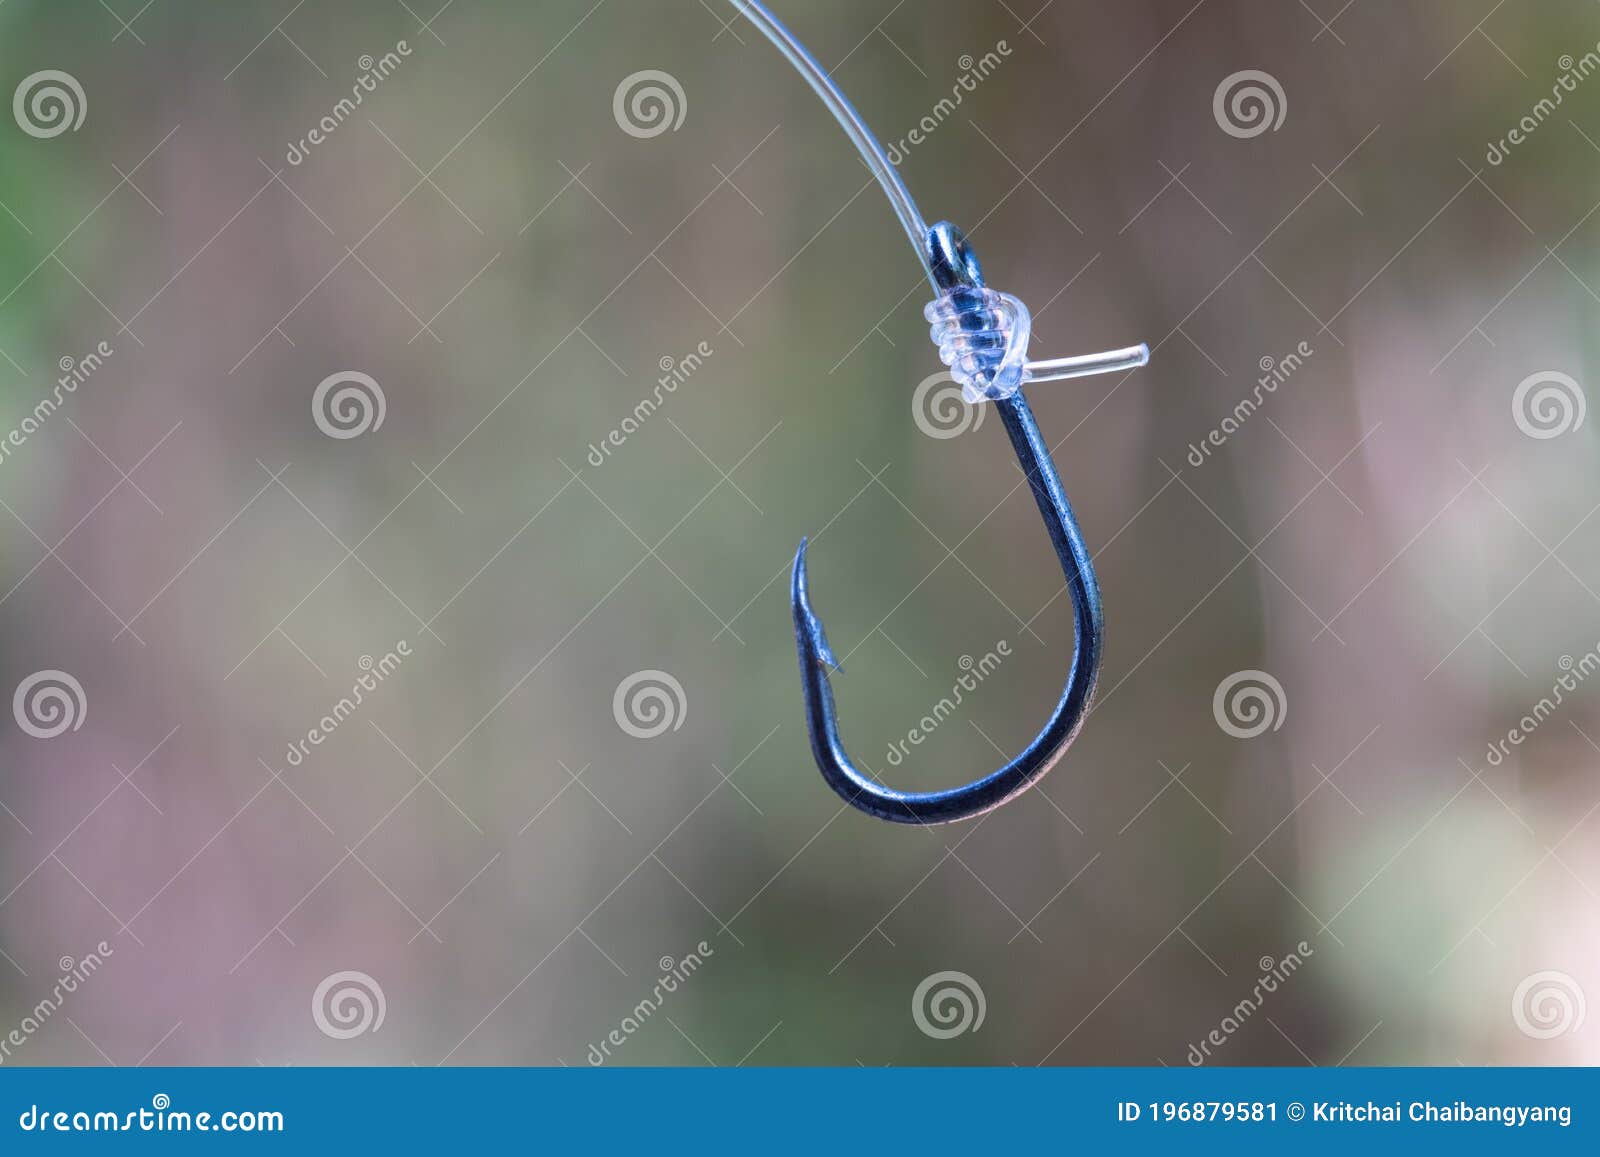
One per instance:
[(956, 265), (951, 265)]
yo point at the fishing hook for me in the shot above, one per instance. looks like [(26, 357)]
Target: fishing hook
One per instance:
[(982, 336)]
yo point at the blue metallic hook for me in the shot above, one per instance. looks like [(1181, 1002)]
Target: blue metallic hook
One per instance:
[(984, 340), (955, 265)]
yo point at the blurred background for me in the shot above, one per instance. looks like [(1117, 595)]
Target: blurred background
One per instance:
[(506, 399)]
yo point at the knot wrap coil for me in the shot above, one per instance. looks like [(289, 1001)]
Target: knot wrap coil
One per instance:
[(982, 335)]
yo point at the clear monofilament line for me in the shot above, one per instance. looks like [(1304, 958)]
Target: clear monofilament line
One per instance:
[(855, 128), (1082, 365)]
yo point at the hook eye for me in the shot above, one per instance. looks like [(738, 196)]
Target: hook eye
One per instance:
[(951, 261)]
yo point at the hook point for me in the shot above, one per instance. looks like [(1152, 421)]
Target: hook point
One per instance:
[(808, 630)]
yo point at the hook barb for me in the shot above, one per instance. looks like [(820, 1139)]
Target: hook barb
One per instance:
[(954, 265)]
